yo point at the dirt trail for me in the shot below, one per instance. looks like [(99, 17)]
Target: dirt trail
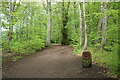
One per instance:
[(55, 62)]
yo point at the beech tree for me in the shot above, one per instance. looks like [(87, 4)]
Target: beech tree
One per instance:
[(80, 17), (99, 25), (85, 28), (104, 26), (48, 13), (48, 38)]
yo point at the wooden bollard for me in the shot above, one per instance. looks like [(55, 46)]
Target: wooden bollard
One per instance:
[(86, 59)]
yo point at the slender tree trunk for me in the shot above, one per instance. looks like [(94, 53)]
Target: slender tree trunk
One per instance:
[(74, 26), (63, 14), (9, 29), (27, 28), (99, 24), (26, 22), (85, 28), (80, 17), (48, 12), (98, 30), (10, 26), (48, 38), (104, 26)]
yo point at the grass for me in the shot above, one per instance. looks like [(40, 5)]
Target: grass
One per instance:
[(105, 59)]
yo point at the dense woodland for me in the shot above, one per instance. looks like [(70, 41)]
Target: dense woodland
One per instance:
[(87, 26)]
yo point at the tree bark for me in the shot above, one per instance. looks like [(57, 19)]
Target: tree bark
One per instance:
[(98, 30), (65, 20), (49, 20), (104, 26), (48, 38), (85, 28), (27, 27), (99, 24), (10, 26), (80, 17), (74, 26)]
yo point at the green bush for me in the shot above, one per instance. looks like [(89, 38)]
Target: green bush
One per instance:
[(107, 59), (24, 47), (103, 58)]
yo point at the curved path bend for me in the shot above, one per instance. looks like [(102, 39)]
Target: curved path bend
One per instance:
[(54, 62)]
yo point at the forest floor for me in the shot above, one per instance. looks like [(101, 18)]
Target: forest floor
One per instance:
[(54, 62)]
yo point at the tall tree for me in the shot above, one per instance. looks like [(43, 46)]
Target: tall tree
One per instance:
[(48, 12), (10, 26), (48, 38), (27, 14), (80, 17), (99, 24), (104, 26), (74, 26), (85, 28), (65, 20)]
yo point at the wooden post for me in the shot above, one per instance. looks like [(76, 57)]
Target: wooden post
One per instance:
[(86, 59)]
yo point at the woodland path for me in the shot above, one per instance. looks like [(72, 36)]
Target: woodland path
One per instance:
[(54, 62)]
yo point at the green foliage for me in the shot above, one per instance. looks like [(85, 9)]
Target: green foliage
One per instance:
[(26, 47), (16, 58), (106, 59), (108, 56), (26, 39), (29, 25)]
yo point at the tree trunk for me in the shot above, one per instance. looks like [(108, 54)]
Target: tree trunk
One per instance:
[(26, 23), (104, 26), (65, 20), (10, 26), (80, 17), (74, 26), (98, 30), (85, 28), (99, 24), (27, 28), (48, 38)]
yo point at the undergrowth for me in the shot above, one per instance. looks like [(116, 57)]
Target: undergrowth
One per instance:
[(103, 58)]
